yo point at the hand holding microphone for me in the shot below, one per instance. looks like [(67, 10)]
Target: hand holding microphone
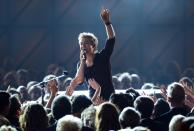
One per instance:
[(83, 54)]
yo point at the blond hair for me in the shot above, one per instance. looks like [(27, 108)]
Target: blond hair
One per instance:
[(90, 36)]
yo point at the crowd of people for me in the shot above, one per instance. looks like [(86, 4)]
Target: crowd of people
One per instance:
[(27, 105)]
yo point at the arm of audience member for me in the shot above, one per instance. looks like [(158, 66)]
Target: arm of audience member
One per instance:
[(52, 86), (105, 15), (79, 77), (189, 95), (163, 91), (96, 97), (188, 90), (152, 96), (99, 100)]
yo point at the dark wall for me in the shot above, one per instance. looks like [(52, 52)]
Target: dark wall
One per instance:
[(38, 32)]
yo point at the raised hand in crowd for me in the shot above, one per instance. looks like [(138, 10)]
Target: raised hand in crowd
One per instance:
[(189, 100), (96, 99), (53, 89), (70, 89), (163, 91)]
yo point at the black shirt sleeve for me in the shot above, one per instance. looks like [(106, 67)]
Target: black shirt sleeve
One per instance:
[(108, 49)]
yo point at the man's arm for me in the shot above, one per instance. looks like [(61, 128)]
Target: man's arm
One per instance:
[(79, 77), (105, 15)]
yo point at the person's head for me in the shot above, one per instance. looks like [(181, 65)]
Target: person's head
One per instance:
[(34, 92), (129, 117), (24, 93), (141, 128), (15, 108), (88, 41), (187, 124), (125, 80), (7, 128), (69, 123), (30, 84), (107, 117), (22, 76), (46, 79), (66, 83), (160, 107), (147, 86), (10, 79), (88, 116), (34, 118), (61, 106), (135, 81), (175, 94), (144, 105), (120, 100), (79, 103), (176, 122), (4, 103), (134, 93), (116, 82)]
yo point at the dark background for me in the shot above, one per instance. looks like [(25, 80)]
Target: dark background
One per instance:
[(35, 33)]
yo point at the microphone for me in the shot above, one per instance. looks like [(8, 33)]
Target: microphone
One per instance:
[(84, 54), (43, 83)]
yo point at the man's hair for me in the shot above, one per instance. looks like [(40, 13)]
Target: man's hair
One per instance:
[(88, 116), (176, 122), (129, 117), (144, 105), (79, 103), (161, 106), (61, 106), (120, 100), (176, 92), (90, 36), (69, 123)]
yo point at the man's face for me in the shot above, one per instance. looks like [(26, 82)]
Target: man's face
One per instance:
[(86, 44)]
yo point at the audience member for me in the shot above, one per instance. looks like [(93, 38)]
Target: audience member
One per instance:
[(69, 123), (107, 117), (145, 106), (129, 117)]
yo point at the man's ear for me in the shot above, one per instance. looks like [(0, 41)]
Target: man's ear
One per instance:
[(93, 46)]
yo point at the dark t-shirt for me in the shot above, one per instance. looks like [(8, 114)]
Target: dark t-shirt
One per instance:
[(101, 70)]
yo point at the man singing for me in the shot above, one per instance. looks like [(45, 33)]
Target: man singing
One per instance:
[(95, 66)]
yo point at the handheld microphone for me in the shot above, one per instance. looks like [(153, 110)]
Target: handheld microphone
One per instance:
[(43, 83), (84, 54)]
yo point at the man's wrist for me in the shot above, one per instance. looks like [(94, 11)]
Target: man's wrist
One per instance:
[(108, 23)]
